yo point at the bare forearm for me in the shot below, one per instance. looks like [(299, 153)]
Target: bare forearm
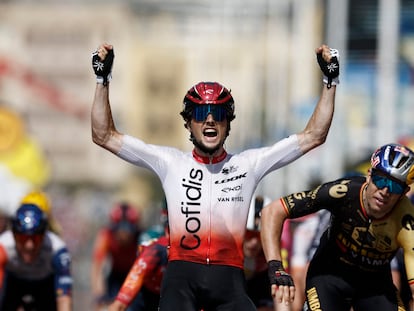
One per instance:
[(316, 131), (272, 224), (102, 122), (103, 128)]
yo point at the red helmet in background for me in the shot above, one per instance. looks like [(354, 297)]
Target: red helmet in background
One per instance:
[(124, 214), (208, 93)]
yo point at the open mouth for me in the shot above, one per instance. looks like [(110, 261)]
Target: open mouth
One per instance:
[(380, 201), (210, 133)]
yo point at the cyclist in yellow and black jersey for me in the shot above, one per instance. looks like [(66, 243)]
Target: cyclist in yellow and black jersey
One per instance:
[(371, 219)]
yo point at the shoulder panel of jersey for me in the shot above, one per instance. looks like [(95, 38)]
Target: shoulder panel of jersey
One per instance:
[(325, 196)]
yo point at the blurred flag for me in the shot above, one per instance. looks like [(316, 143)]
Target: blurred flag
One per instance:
[(22, 163)]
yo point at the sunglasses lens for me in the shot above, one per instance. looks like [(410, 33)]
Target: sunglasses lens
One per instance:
[(382, 182), (250, 234), (23, 238), (200, 112)]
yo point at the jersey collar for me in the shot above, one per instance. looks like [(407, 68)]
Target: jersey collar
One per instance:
[(209, 160), (362, 199)]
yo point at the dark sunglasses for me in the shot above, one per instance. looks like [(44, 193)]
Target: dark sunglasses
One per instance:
[(22, 238), (250, 234), (393, 186), (200, 112)]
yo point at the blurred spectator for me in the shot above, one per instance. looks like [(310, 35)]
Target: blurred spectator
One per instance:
[(115, 249), (34, 265)]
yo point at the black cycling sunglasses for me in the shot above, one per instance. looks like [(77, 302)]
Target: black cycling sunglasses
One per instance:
[(200, 112)]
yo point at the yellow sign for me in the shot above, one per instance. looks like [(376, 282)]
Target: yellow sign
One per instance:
[(27, 162), (11, 129)]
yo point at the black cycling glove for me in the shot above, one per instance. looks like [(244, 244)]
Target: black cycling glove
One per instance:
[(330, 70), (278, 275), (103, 69)]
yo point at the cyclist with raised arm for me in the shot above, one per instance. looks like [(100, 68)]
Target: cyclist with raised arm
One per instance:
[(207, 222), (371, 219)]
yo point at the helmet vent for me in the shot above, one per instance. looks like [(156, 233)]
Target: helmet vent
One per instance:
[(395, 160), (196, 95), (222, 95), (401, 163)]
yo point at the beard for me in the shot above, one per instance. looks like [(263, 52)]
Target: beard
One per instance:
[(204, 148)]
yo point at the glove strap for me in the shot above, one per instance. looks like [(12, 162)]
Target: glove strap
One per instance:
[(329, 81), (102, 80), (275, 265)]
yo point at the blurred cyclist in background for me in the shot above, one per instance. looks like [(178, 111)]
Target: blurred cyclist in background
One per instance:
[(157, 228), (34, 265), (114, 252), (41, 200), (143, 283), (371, 219)]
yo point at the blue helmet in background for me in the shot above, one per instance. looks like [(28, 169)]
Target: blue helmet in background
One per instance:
[(396, 161), (29, 219)]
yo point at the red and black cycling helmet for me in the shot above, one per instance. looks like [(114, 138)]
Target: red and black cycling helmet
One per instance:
[(396, 161), (207, 93)]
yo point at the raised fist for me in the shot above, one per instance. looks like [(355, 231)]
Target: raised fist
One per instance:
[(102, 60), (329, 68)]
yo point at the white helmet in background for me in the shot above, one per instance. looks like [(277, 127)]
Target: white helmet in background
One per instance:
[(256, 206)]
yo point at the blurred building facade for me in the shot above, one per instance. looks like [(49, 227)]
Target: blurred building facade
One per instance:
[(263, 50), (161, 50)]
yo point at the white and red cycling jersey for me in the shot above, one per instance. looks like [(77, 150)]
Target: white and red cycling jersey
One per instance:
[(208, 198)]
